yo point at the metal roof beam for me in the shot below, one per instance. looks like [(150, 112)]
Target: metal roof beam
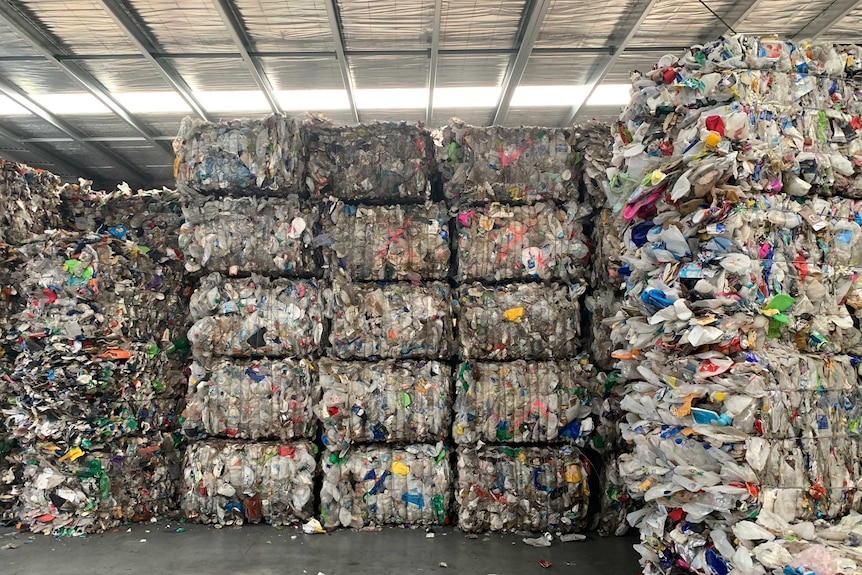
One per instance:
[(126, 21), (338, 39), (231, 20), (608, 63), (533, 18), (46, 154), (435, 49), (35, 37), (24, 100), (828, 18)]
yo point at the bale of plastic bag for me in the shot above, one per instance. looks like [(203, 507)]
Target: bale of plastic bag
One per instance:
[(541, 241), (387, 401), (497, 164), (230, 482), (403, 242), (503, 488), (388, 162), (256, 316), (239, 156), (251, 235), (523, 402), (397, 320), (383, 485), (519, 321), (29, 201), (256, 399)]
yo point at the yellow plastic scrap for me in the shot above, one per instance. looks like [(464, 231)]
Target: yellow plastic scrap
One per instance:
[(513, 314), (72, 454), (399, 468), (573, 474)]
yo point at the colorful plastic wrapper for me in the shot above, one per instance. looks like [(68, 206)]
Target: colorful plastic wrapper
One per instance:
[(409, 242), (541, 241), (593, 155), (231, 482), (497, 164), (380, 485), (384, 162), (519, 321), (388, 401), (255, 399), (239, 156), (523, 402), (256, 316), (503, 488), (29, 200), (251, 235), (397, 320)]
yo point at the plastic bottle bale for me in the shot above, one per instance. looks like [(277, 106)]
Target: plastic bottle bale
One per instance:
[(29, 201), (542, 241), (615, 503), (390, 321), (389, 401), (409, 242), (145, 474), (230, 482), (384, 162), (593, 147), (519, 321), (371, 485), (497, 164), (521, 489), (261, 156), (249, 235), (256, 399), (523, 402), (255, 317)]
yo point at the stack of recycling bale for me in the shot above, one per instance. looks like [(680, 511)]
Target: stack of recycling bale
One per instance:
[(91, 388), (258, 316), (736, 172), (522, 406), (385, 388)]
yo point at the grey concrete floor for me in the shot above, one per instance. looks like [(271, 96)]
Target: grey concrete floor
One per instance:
[(264, 550)]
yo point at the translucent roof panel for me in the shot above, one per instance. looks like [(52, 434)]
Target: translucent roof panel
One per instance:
[(577, 24), (282, 26), (184, 25), (303, 74), (386, 24), (470, 24), (389, 71), (456, 71), (126, 75), (82, 26), (215, 74)]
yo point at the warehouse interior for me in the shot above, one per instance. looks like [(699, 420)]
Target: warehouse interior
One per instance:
[(391, 286)]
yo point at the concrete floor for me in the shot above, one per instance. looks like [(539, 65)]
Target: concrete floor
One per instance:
[(264, 550)]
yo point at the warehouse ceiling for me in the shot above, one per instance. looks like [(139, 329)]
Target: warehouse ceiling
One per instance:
[(97, 88)]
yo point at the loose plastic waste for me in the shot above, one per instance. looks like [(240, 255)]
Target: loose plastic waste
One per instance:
[(392, 320), (256, 316), (262, 156), (29, 200), (519, 321), (409, 242), (257, 399), (382, 162), (388, 401), (497, 164), (502, 488), (523, 402), (593, 155), (231, 482), (541, 241), (380, 485)]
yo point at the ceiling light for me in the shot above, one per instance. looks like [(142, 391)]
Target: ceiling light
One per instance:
[(8, 107), (316, 100), (71, 104), (391, 99), (152, 102), (234, 101), (474, 97)]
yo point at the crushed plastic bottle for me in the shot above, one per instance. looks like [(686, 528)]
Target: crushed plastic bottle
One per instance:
[(29, 201)]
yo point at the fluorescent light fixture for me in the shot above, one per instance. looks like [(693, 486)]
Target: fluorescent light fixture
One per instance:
[(234, 101), (611, 95), (8, 107), (545, 96), (152, 102), (471, 97), (314, 100), (71, 104), (391, 99)]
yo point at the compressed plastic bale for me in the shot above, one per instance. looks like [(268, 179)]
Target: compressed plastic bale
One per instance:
[(521, 489), (229, 482), (593, 156), (497, 164), (251, 399), (519, 321), (397, 320), (388, 401), (29, 200), (409, 242), (255, 317), (541, 241), (386, 162), (371, 485), (272, 236), (11, 478), (239, 156), (523, 402), (615, 503)]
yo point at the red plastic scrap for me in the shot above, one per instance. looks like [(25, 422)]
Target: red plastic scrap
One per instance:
[(544, 564)]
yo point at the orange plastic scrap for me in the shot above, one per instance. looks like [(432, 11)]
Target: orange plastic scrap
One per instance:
[(117, 353)]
